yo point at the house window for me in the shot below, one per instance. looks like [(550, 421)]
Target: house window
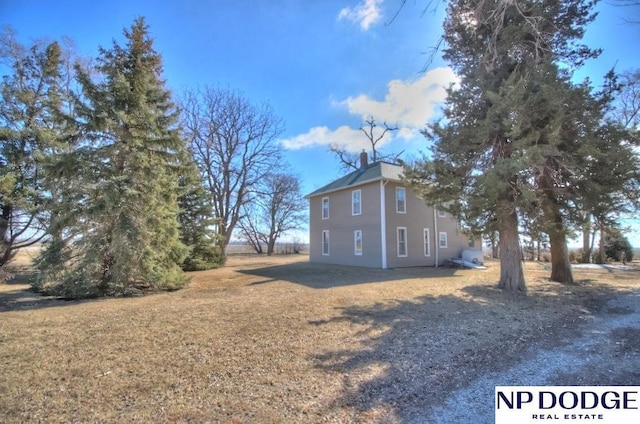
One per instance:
[(442, 214), (325, 208), (356, 208), (442, 240), (402, 241), (401, 200), (325, 242), (427, 243), (357, 242)]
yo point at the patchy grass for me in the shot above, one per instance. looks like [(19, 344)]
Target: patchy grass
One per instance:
[(281, 340)]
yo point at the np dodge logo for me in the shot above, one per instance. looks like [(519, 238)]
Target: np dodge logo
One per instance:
[(564, 404)]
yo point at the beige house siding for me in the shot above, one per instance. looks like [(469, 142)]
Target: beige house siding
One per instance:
[(456, 240), (342, 224), (417, 217)]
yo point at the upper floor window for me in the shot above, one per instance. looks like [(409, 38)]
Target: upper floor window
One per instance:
[(442, 240), (356, 206), (357, 242), (402, 241), (325, 208), (401, 200), (442, 214)]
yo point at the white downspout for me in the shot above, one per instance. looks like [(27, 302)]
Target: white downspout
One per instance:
[(383, 225), (435, 235)]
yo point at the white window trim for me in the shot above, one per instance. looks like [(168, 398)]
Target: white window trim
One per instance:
[(442, 214), (353, 193), (427, 242), (446, 241), (406, 246), (355, 243), (327, 199), (322, 241), (401, 189)]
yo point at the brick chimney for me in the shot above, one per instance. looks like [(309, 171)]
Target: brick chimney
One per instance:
[(364, 160)]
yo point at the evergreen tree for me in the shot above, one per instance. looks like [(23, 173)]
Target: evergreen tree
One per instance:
[(197, 226), (29, 95), (617, 246), (500, 148), (609, 186), (120, 212)]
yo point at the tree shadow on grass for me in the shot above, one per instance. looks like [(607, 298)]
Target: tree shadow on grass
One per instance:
[(20, 298), (407, 357), (16, 295), (324, 276)]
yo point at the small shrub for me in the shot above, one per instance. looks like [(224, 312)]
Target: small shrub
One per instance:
[(615, 244), (5, 275), (204, 257), (575, 255)]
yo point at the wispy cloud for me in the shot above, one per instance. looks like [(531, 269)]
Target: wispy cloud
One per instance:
[(366, 13), (344, 136), (409, 105)]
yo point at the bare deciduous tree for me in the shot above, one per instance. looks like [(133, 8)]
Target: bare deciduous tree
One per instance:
[(627, 104), (234, 145), (349, 161), (277, 207), (632, 4)]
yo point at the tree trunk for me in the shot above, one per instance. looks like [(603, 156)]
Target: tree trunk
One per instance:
[(602, 259), (586, 236), (599, 256), (5, 246), (560, 264), (270, 246), (532, 257), (495, 254), (511, 274)]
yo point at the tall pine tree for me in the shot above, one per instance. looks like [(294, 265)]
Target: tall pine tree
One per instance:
[(29, 95), (197, 225), (500, 138), (122, 179)]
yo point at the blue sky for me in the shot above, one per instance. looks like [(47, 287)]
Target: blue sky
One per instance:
[(323, 65)]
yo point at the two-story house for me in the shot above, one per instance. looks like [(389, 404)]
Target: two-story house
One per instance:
[(370, 218)]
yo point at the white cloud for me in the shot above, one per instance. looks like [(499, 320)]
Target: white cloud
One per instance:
[(365, 13), (344, 137), (409, 105)]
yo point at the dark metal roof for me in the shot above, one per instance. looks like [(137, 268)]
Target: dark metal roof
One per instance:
[(374, 172)]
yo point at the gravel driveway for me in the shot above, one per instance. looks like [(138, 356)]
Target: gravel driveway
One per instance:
[(604, 351)]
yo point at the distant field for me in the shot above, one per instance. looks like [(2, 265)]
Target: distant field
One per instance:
[(278, 339), (280, 248)]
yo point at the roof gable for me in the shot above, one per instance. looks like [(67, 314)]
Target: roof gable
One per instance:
[(374, 172)]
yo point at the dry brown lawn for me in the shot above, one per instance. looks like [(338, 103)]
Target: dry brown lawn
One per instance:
[(270, 340)]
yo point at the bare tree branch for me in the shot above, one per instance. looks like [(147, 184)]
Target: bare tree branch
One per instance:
[(233, 143), (278, 207)]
